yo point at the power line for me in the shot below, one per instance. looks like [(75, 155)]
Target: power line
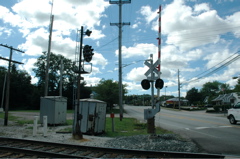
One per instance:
[(222, 64)]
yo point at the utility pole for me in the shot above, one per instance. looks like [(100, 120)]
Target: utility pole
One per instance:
[(8, 80), (61, 78), (179, 103), (49, 52), (48, 57), (120, 24)]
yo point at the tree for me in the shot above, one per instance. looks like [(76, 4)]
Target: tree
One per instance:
[(193, 96), (107, 90), (237, 87), (22, 94), (210, 89), (54, 72), (68, 77), (225, 88)]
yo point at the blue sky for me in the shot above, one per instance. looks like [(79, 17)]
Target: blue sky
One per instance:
[(196, 35)]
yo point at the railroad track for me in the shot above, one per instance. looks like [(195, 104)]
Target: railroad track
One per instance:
[(20, 148)]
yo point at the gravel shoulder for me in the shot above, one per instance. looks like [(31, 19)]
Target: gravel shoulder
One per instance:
[(165, 142)]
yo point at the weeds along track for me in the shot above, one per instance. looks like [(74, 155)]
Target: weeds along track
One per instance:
[(20, 148)]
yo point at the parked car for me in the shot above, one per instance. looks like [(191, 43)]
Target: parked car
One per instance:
[(234, 114)]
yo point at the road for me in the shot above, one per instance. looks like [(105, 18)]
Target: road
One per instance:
[(212, 132)]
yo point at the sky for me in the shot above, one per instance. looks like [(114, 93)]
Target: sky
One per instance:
[(198, 37)]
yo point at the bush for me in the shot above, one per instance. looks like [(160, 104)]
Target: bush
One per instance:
[(217, 108), (221, 108)]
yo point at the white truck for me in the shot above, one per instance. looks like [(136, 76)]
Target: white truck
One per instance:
[(234, 114)]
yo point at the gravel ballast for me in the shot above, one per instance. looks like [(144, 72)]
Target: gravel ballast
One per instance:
[(165, 142)]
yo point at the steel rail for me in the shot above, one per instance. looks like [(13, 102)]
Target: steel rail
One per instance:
[(17, 145)]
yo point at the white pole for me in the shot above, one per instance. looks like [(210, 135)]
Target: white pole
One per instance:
[(44, 126), (159, 48), (35, 125)]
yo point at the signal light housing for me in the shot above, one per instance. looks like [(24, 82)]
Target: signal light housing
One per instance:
[(88, 53), (88, 32), (145, 84), (159, 83)]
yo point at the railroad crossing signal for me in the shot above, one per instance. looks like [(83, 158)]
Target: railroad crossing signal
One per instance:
[(152, 71)]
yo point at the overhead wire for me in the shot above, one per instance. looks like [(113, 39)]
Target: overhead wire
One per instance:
[(222, 64)]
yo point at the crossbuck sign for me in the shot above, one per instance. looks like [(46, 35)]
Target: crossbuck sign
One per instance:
[(152, 68)]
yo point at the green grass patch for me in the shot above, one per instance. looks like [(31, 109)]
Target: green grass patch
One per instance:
[(128, 127), (18, 120), (1, 115), (30, 111)]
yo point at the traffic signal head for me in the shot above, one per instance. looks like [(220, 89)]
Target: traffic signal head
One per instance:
[(88, 32), (145, 84), (88, 53), (159, 83)]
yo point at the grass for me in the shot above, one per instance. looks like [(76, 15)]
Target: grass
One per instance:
[(126, 127), (18, 120)]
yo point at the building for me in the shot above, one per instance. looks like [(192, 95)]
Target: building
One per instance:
[(230, 98)]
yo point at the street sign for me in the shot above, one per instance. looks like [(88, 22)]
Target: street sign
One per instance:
[(152, 68)]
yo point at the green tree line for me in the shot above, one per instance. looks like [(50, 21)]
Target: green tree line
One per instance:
[(25, 95), (210, 90)]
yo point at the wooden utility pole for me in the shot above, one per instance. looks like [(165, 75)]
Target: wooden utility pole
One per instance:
[(179, 102), (120, 24), (8, 80), (48, 57)]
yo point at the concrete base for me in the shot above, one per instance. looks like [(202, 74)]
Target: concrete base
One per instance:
[(1, 110)]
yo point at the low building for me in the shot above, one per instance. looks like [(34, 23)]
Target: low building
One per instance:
[(230, 98), (173, 102)]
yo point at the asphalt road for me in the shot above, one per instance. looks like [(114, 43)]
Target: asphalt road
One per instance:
[(212, 132)]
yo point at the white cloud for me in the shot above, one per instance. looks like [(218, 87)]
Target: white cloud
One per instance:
[(4, 30), (98, 59), (138, 50), (201, 7), (217, 57), (133, 86), (188, 27), (91, 81), (147, 12), (28, 66), (36, 42), (137, 74)]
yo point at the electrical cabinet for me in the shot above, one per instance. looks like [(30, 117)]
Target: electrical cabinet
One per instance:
[(93, 116), (55, 108)]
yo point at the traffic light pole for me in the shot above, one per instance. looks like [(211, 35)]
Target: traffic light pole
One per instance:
[(78, 134)]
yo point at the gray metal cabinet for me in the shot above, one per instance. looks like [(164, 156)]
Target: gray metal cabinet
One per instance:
[(55, 108), (93, 114)]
